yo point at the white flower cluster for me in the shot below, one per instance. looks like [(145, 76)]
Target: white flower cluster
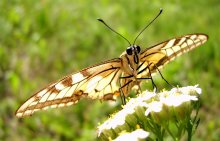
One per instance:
[(136, 135), (138, 109)]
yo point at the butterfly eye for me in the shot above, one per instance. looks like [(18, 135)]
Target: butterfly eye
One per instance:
[(138, 49), (129, 51)]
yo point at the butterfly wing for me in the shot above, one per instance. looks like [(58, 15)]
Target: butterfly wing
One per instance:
[(96, 82), (159, 55)]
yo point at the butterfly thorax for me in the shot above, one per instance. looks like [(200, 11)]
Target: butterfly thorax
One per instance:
[(130, 60)]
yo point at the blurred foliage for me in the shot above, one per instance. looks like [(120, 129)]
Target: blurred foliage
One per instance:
[(41, 41)]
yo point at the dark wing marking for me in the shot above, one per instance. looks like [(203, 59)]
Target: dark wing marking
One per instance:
[(95, 82)]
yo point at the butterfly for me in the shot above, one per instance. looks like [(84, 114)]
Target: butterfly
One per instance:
[(109, 79)]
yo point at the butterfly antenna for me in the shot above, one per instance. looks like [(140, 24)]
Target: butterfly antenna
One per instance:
[(113, 30), (161, 10)]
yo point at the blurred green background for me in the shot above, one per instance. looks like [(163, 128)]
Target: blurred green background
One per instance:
[(41, 41)]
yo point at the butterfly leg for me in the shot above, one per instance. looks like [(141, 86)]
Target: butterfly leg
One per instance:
[(122, 95), (144, 78), (151, 78), (121, 91), (152, 81), (162, 76)]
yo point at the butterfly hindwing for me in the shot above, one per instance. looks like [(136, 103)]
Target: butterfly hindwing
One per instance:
[(96, 82)]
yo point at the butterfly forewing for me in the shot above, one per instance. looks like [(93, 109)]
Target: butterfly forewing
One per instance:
[(96, 82), (159, 55)]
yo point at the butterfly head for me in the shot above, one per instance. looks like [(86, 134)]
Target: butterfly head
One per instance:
[(134, 49), (133, 52)]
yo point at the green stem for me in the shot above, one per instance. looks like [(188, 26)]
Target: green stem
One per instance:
[(174, 138)]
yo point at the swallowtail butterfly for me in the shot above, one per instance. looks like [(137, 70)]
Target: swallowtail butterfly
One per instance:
[(110, 78)]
